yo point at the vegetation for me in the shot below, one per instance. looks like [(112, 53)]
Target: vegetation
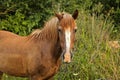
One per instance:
[(98, 23)]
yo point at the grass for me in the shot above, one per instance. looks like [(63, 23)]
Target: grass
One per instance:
[(93, 59)]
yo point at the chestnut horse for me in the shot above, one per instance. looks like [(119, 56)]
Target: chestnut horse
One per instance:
[(38, 55)]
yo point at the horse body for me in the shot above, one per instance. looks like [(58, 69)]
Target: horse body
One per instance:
[(38, 55), (9, 47), (24, 56)]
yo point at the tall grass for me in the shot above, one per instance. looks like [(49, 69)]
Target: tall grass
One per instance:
[(93, 58)]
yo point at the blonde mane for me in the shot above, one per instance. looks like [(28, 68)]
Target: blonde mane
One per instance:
[(49, 31)]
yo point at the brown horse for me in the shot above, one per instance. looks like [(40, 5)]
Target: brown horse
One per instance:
[(37, 56)]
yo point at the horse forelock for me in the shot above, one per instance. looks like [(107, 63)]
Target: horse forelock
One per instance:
[(67, 20), (49, 31)]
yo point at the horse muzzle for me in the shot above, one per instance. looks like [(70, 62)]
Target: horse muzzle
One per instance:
[(67, 57)]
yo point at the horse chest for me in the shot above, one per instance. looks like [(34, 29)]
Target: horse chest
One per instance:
[(47, 71)]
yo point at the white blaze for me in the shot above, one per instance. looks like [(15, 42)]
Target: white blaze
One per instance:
[(67, 39)]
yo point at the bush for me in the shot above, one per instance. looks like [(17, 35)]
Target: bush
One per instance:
[(22, 17)]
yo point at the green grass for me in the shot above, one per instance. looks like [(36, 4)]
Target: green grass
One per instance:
[(93, 58), (6, 77)]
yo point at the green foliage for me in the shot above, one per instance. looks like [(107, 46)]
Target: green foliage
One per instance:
[(112, 6), (22, 16), (6, 77)]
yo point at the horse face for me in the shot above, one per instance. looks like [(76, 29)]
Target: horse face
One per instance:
[(67, 29)]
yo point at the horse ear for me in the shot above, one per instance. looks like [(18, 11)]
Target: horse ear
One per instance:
[(59, 16), (75, 14)]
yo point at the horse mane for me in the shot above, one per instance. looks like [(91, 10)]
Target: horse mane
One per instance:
[(49, 31)]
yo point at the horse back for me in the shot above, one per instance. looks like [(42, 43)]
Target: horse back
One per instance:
[(6, 34)]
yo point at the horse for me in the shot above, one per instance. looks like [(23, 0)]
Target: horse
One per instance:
[(38, 56)]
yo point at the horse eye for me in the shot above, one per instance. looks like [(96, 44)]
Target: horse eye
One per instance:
[(75, 30), (59, 30)]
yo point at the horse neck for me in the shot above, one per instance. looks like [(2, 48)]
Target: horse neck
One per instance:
[(49, 34), (58, 52), (52, 35)]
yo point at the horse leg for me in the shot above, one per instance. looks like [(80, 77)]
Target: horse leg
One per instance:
[(1, 75)]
